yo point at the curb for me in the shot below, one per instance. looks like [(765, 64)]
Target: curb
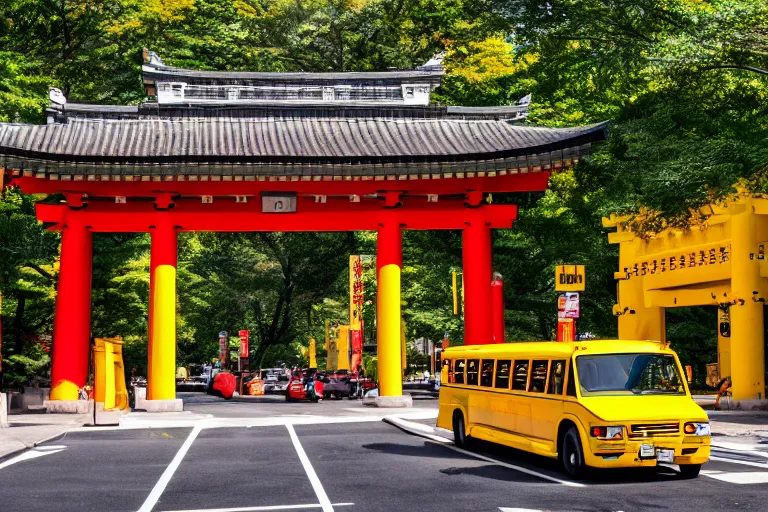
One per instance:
[(416, 429)]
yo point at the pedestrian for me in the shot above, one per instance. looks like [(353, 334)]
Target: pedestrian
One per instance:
[(722, 388), (426, 375)]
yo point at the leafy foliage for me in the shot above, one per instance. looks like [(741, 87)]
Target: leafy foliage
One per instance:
[(684, 84)]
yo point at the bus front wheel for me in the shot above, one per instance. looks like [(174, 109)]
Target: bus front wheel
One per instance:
[(572, 458), (689, 470), (459, 431)]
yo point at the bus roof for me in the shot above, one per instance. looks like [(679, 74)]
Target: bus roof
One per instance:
[(556, 349)]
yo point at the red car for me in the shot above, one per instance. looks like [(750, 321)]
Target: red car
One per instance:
[(305, 385)]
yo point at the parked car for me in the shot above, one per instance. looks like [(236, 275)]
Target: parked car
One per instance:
[(195, 377), (275, 381), (339, 385)]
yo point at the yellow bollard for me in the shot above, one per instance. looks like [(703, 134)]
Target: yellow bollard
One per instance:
[(109, 373), (162, 381), (99, 370)]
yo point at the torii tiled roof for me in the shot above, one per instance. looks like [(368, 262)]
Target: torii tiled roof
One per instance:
[(105, 144)]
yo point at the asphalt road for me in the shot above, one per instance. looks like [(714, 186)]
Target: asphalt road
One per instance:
[(351, 466)]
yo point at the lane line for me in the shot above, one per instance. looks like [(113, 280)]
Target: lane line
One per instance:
[(268, 507), (161, 484), (512, 466), (31, 454), (325, 503)]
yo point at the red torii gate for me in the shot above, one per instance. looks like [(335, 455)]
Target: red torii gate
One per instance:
[(160, 169)]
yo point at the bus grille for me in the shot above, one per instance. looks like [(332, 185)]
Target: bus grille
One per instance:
[(654, 429)]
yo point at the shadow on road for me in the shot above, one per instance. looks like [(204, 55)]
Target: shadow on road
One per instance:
[(551, 466), (494, 472), (426, 450)]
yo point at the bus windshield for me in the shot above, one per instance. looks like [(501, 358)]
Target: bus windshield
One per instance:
[(639, 374)]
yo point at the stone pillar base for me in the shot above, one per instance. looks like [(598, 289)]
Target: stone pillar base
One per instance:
[(176, 405), (69, 406), (107, 417), (4, 410), (749, 404), (393, 401)]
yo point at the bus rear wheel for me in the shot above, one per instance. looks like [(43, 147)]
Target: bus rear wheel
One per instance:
[(689, 470), (459, 430), (572, 455)]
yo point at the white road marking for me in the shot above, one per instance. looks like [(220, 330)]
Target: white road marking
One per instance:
[(33, 454), (507, 509), (161, 484), (753, 477), (325, 503), (742, 462), (516, 468), (256, 509)]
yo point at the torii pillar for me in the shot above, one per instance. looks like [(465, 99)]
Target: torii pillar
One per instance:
[(389, 262), (72, 323), (161, 382)]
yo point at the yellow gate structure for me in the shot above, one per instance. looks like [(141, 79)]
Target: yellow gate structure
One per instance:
[(109, 374), (720, 263)]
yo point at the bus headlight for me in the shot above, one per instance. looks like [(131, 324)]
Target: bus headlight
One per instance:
[(607, 432), (697, 429)]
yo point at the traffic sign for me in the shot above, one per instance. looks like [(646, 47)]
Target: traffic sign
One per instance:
[(569, 278)]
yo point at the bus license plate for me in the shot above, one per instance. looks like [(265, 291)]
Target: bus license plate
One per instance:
[(647, 451), (664, 455)]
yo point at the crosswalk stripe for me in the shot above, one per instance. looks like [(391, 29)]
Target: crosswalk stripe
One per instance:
[(749, 477)]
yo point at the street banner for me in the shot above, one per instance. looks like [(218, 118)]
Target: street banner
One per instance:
[(568, 305), (312, 353), (356, 293), (342, 346), (570, 278), (243, 343), (566, 329)]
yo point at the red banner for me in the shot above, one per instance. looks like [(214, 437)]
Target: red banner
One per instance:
[(243, 343)]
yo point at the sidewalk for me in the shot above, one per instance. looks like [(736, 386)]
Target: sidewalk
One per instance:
[(27, 430)]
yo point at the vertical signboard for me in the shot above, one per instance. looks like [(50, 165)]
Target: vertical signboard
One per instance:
[(356, 293), (224, 349), (244, 343)]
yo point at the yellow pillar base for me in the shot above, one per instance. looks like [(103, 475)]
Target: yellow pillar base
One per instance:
[(388, 311), (65, 390), (162, 376)]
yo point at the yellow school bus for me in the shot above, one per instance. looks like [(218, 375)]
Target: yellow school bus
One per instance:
[(604, 404)]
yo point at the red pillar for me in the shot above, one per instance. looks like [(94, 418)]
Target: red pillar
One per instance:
[(476, 253), (497, 308), (72, 323), (163, 251)]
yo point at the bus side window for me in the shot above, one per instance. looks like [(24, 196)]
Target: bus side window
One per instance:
[(539, 376), (571, 387), (520, 378), (556, 375), (502, 373), (458, 371), (472, 367), (449, 369), (486, 375)]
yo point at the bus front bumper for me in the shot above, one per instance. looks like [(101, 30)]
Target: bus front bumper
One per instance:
[(625, 454)]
